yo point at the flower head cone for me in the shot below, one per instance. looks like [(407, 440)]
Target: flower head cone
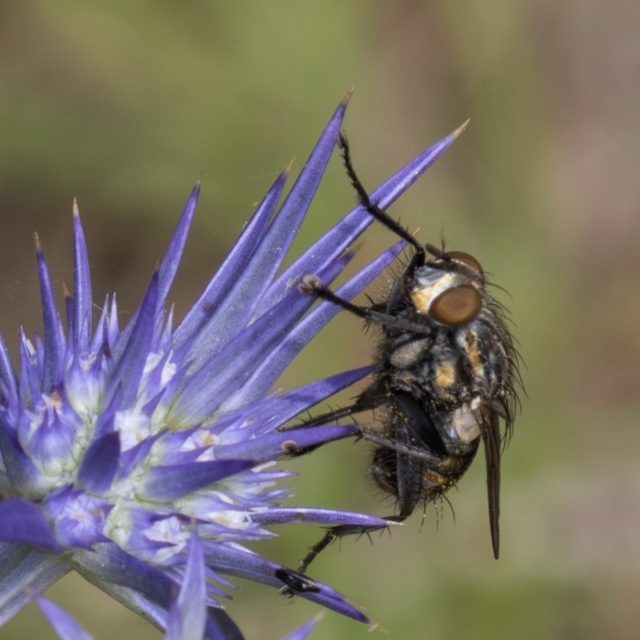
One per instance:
[(116, 442)]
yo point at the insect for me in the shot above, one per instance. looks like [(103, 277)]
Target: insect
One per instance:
[(445, 375)]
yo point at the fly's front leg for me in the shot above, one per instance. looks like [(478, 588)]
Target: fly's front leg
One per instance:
[(312, 286)]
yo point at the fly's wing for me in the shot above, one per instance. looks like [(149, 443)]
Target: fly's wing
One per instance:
[(490, 426), (408, 474), (411, 430)]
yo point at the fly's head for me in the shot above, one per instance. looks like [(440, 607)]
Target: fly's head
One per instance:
[(448, 289)]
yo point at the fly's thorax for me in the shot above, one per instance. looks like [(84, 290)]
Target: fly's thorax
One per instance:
[(425, 367), (451, 365)]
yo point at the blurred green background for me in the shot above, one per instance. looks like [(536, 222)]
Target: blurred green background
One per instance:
[(122, 105)]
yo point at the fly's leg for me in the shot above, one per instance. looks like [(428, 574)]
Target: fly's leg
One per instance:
[(334, 533), (373, 209), (368, 400), (409, 459), (312, 286), (407, 500)]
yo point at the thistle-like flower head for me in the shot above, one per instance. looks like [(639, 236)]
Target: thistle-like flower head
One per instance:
[(116, 442)]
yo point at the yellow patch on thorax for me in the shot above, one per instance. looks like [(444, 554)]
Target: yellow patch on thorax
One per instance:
[(446, 374)]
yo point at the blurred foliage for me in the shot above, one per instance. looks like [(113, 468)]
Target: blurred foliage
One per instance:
[(123, 104)]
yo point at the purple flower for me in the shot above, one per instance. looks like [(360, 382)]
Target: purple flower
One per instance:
[(113, 441)]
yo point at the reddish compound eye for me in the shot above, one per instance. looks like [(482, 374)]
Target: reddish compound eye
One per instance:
[(466, 258), (456, 306)]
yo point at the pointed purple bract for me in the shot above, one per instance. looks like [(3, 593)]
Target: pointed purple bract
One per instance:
[(166, 271), (301, 633), (22, 521), (244, 564), (246, 295), (65, 626), (171, 260), (82, 301), (271, 367), (100, 463), (118, 567), (131, 365), (188, 613), (7, 375), (274, 445), (231, 270), (23, 474), (291, 404), (317, 516), (177, 481), (135, 456), (54, 350), (98, 336), (226, 370)]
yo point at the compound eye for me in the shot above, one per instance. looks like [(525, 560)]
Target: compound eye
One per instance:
[(456, 306), (466, 258)]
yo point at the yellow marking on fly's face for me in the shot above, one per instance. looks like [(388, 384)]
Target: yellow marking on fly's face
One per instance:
[(446, 374), (422, 298)]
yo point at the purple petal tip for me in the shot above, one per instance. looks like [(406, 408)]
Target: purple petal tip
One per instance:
[(460, 129), (348, 95)]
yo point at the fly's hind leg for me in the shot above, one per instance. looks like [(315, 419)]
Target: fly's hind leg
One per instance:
[(405, 492), (407, 500), (334, 533)]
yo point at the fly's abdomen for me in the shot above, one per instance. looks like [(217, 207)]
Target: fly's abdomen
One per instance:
[(434, 480)]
